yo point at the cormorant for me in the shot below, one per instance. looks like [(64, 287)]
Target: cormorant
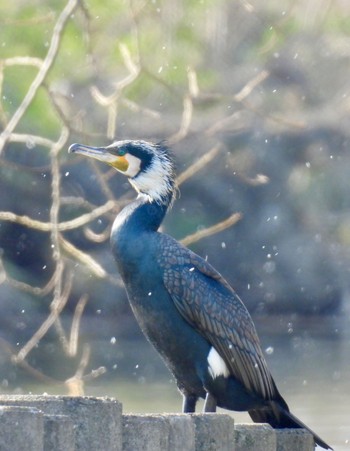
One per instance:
[(185, 308)]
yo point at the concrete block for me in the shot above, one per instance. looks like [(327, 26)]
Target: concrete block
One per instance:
[(96, 421), (145, 433), (182, 432), (58, 433), (214, 432), (292, 439), (255, 437), (21, 428)]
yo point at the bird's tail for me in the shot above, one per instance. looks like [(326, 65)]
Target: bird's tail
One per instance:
[(279, 417)]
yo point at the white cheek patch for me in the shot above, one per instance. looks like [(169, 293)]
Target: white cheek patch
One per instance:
[(217, 366), (134, 165), (154, 181)]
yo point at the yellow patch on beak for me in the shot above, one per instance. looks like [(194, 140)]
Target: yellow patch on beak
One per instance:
[(120, 163)]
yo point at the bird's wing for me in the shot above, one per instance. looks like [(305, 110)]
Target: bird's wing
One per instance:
[(209, 304)]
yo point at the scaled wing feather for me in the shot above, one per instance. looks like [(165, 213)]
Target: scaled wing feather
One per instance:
[(208, 303)]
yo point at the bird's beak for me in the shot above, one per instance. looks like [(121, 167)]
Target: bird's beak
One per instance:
[(103, 154)]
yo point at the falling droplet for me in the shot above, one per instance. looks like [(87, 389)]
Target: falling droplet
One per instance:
[(30, 144)]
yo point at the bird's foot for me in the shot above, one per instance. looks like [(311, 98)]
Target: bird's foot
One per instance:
[(210, 403), (189, 404)]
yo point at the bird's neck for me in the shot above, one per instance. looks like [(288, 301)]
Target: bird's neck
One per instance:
[(133, 232), (138, 217)]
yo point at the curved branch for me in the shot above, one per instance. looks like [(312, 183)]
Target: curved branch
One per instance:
[(41, 75), (219, 227)]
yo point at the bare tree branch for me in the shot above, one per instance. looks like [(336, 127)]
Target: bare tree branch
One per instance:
[(250, 86), (56, 307), (44, 69), (84, 258), (30, 139), (75, 384), (37, 291), (219, 227), (23, 61), (74, 332), (187, 112), (64, 225), (199, 164)]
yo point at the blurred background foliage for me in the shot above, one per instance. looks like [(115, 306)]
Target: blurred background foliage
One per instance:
[(256, 93)]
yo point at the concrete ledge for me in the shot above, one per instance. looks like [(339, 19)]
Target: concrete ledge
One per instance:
[(63, 423), (21, 428), (96, 421), (214, 431), (145, 432), (58, 433), (255, 437), (292, 439), (182, 432)]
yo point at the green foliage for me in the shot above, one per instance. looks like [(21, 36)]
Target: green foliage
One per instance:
[(338, 23)]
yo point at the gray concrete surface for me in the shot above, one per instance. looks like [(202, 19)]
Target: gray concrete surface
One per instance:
[(96, 421), (58, 433), (255, 437), (64, 423), (21, 428), (294, 439), (214, 432)]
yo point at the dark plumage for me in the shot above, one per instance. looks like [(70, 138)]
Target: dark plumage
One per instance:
[(184, 307)]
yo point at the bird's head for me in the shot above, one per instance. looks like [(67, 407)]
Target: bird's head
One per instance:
[(149, 167)]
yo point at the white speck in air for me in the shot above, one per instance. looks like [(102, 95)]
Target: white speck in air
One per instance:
[(269, 350), (30, 144)]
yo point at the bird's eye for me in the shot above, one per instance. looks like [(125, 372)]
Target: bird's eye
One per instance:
[(121, 152)]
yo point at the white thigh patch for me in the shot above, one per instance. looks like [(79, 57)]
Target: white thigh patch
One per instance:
[(217, 366)]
